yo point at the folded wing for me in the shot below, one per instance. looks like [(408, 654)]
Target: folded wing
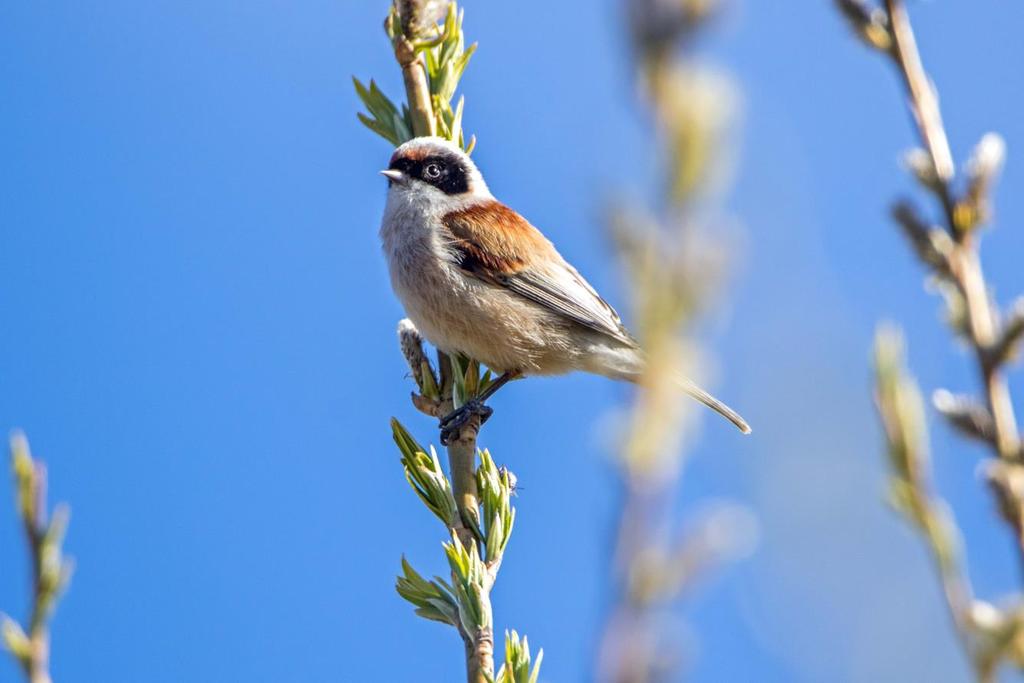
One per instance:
[(493, 243)]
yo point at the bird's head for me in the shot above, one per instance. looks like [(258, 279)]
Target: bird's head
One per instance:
[(435, 168)]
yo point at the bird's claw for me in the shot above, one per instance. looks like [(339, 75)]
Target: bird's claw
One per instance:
[(452, 423)]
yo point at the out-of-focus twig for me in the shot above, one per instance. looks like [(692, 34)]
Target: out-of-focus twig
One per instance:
[(671, 267), (51, 571), (902, 413), (950, 252), (962, 216)]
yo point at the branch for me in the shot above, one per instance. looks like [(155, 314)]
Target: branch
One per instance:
[(475, 503), (901, 410), (404, 31), (465, 602), (668, 262), (437, 401), (924, 104), (51, 572), (432, 58), (965, 262), (951, 254)]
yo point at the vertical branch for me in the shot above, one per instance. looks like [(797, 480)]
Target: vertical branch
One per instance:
[(462, 465), (901, 411), (51, 572), (983, 323), (456, 501), (951, 254), (432, 58), (923, 102), (404, 29), (462, 450), (462, 457), (411, 26), (669, 263)]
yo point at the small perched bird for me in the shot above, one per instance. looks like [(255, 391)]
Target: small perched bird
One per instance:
[(477, 279)]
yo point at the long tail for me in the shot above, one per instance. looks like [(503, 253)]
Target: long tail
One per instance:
[(627, 363), (711, 402)]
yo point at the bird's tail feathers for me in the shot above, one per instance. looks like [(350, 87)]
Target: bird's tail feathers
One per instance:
[(691, 388), (627, 363)]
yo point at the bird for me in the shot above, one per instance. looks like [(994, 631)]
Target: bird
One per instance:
[(477, 279)]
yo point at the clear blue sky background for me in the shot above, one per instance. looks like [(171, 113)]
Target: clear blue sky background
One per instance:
[(197, 335)]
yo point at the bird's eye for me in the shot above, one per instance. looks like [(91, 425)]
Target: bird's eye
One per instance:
[(432, 171)]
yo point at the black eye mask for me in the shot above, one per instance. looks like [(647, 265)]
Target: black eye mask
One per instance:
[(453, 179)]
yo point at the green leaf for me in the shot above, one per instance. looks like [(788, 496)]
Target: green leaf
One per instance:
[(536, 666), (431, 600), (425, 475), (406, 443), (429, 387), (472, 378), (361, 90), (402, 127), (14, 639), (379, 129), (462, 61), (516, 668)]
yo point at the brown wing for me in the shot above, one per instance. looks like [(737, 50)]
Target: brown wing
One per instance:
[(495, 244)]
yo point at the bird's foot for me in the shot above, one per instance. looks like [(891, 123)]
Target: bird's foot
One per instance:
[(452, 423)]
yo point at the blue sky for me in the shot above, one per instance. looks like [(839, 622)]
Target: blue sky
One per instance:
[(198, 336)]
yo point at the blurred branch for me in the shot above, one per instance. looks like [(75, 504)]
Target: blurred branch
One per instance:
[(475, 502), (950, 253), (51, 571), (672, 268), (910, 491), (923, 101)]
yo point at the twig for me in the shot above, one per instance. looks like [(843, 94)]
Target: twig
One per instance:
[(462, 450), (462, 455), (966, 264), (923, 102), (432, 58), (462, 465), (951, 253), (901, 410), (983, 324), (665, 259), (51, 572), (414, 69)]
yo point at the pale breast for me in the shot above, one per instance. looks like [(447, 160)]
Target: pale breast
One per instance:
[(458, 313)]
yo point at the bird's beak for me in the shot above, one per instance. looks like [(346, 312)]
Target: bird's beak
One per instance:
[(394, 175)]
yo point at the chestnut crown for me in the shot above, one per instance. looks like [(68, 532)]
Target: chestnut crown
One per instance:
[(438, 163)]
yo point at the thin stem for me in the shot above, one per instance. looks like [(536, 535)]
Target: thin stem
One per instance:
[(38, 633), (31, 646), (414, 76), (967, 272), (462, 462), (462, 457), (960, 265), (462, 451), (923, 103), (480, 655), (462, 466), (38, 664), (654, 562), (984, 331), (969, 275), (956, 587)]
